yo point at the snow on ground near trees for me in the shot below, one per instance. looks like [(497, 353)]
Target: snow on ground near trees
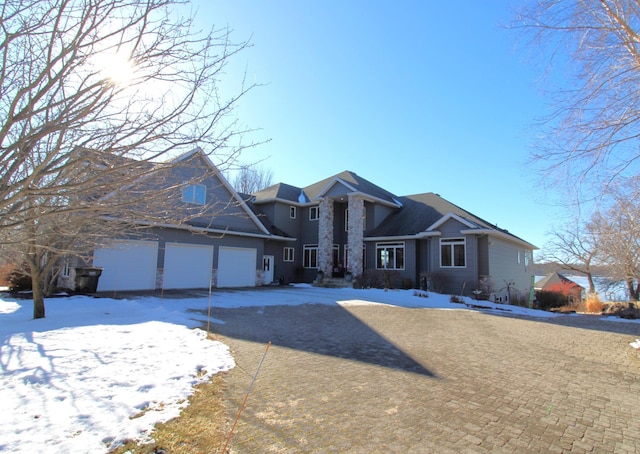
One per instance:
[(97, 371)]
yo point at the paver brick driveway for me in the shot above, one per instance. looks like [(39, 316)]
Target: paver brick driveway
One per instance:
[(364, 379)]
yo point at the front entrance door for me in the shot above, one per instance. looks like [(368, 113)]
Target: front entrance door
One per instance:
[(267, 268)]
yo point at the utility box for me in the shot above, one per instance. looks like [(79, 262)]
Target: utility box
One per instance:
[(87, 279)]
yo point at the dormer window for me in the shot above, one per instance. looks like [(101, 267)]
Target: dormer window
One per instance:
[(195, 193)]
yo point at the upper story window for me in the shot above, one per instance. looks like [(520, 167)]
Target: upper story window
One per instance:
[(314, 213), (292, 212), (195, 193), (390, 256), (453, 253)]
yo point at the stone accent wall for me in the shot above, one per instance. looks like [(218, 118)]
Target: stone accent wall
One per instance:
[(356, 233), (159, 278), (325, 236), (214, 278)]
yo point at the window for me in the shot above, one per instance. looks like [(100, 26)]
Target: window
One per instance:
[(452, 253), (288, 254), (292, 212), (314, 213), (194, 193), (346, 220), (390, 256), (336, 255), (310, 252), (66, 268)]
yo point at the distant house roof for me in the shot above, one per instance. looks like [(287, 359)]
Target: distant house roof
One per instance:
[(555, 279)]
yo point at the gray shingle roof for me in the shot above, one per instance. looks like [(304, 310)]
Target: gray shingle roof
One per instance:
[(357, 182), (420, 211), (278, 191)]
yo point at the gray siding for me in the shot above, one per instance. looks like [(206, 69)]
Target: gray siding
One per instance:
[(456, 280), (504, 266)]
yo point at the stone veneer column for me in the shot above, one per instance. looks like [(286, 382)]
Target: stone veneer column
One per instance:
[(355, 236), (325, 237)]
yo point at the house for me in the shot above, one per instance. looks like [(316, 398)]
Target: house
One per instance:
[(559, 283), (343, 223)]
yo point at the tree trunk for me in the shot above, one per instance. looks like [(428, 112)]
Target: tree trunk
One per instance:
[(633, 291), (38, 295), (592, 286)]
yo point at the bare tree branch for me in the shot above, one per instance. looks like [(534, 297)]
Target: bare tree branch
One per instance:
[(96, 98)]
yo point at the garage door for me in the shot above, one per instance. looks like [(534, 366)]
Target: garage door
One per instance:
[(236, 267), (127, 265), (187, 265)]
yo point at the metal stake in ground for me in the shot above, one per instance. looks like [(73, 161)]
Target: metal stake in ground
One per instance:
[(244, 401)]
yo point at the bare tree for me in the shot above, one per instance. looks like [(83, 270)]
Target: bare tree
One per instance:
[(92, 96), (593, 130), (575, 247), (252, 178), (618, 234)]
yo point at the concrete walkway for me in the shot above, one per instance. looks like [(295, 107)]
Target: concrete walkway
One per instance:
[(379, 379)]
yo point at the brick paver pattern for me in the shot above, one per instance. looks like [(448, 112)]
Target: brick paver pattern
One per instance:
[(369, 379)]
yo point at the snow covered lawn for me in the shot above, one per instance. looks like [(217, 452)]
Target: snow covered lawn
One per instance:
[(97, 371)]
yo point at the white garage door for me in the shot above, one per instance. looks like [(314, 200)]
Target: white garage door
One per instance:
[(236, 267), (127, 265), (187, 265)]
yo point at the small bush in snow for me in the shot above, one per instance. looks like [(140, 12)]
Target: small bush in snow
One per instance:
[(456, 299)]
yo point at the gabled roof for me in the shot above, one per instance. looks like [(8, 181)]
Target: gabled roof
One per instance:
[(311, 194), (353, 183), (422, 214), (556, 278), (280, 191)]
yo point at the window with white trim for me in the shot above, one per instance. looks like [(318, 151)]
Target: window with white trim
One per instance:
[(453, 253), (314, 213), (292, 212), (310, 255), (195, 193), (390, 256), (66, 268), (346, 220), (288, 254)]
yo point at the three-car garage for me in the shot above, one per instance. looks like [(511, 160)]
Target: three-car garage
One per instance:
[(134, 265)]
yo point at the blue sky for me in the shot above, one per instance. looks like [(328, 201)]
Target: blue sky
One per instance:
[(415, 96)]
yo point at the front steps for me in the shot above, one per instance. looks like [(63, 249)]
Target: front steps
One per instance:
[(333, 282)]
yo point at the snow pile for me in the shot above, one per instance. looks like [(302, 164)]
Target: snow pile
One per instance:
[(96, 371)]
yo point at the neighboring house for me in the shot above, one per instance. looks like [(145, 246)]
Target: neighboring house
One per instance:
[(342, 223), (558, 283)]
